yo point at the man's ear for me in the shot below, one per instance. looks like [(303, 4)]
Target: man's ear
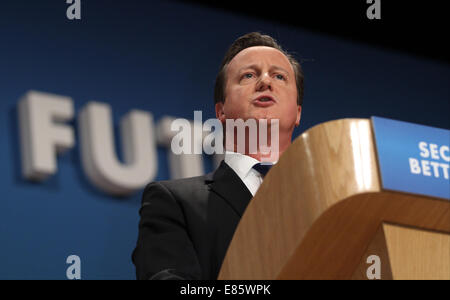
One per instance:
[(220, 114), (299, 114)]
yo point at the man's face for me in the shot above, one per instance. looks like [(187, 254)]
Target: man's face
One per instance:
[(261, 85)]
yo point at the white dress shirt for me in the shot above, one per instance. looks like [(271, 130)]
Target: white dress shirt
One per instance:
[(242, 165)]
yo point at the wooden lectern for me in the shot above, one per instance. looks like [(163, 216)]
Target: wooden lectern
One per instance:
[(321, 212)]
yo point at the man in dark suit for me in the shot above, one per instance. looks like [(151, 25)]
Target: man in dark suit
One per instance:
[(187, 224)]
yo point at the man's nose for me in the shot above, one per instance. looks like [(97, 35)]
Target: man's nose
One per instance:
[(264, 83)]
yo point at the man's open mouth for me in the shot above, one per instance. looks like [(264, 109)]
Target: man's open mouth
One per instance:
[(264, 101)]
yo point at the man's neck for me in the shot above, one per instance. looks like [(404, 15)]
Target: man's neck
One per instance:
[(260, 156), (269, 154)]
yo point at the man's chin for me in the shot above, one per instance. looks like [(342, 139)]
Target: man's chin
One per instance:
[(268, 118), (263, 115), (258, 116)]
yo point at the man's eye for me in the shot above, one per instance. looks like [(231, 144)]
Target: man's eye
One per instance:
[(279, 76), (248, 75)]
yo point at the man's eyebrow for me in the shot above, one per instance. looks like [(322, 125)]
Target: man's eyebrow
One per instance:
[(255, 66), (274, 67)]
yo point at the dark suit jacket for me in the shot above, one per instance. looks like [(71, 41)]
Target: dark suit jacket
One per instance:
[(187, 225)]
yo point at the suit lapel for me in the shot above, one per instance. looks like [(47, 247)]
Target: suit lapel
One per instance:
[(227, 184)]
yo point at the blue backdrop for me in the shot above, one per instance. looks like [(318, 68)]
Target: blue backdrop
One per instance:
[(159, 56)]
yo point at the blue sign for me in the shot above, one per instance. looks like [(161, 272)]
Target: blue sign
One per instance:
[(413, 158)]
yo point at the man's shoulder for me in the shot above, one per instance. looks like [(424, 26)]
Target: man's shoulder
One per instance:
[(198, 187), (184, 182), (182, 186)]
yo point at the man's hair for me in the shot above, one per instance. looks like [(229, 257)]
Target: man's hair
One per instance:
[(250, 40)]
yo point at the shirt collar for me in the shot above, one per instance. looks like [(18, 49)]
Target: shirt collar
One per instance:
[(240, 163)]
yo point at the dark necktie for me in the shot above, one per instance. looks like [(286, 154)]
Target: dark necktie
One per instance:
[(263, 168)]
